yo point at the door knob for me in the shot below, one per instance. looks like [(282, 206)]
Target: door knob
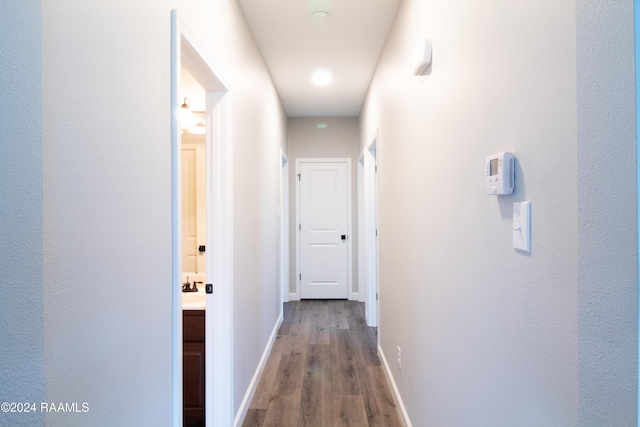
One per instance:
[(344, 237)]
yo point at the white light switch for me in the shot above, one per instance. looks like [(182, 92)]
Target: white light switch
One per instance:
[(522, 226)]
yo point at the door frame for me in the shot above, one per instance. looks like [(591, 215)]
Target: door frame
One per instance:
[(362, 279), (350, 294), (188, 52), (284, 228), (370, 230)]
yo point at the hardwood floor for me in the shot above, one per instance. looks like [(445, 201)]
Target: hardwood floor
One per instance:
[(323, 371)]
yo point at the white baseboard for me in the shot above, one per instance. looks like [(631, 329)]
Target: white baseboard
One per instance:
[(354, 297), (244, 406), (396, 394)]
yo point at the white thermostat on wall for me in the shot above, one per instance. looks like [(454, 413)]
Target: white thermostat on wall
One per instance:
[(500, 174)]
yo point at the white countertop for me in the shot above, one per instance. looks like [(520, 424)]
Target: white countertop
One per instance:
[(194, 300)]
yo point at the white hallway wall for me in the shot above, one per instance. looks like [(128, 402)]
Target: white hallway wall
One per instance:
[(21, 325), (96, 217), (490, 336), (305, 140)]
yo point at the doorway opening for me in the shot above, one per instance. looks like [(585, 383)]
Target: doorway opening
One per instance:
[(187, 53), (193, 174), (194, 217)]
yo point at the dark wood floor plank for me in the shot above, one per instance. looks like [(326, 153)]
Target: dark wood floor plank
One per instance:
[(270, 373), (348, 411), (343, 360), (289, 376), (299, 334), (319, 328), (288, 312), (316, 403), (338, 315), (378, 401), (283, 412), (254, 418), (365, 335)]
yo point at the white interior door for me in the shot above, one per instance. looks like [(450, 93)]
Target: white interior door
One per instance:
[(324, 225), (193, 208), (189, 212)]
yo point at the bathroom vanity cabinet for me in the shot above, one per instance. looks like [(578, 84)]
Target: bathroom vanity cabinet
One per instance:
[(193, 367)]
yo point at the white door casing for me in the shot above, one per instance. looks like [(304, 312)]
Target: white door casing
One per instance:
[(324, 228), (188, 52), (370, 155), (362, 287), (284, 227)]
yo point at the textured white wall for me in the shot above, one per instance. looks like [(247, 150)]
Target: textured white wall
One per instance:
[(490, 336), (305, 140), (21, 327), (607, 215), (107, 222)]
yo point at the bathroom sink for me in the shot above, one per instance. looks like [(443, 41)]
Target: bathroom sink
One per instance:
[(194, 299)]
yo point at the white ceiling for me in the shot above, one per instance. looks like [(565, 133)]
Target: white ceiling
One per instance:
[(348, 42)]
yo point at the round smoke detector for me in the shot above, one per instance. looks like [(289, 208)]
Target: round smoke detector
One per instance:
[(319, 15)]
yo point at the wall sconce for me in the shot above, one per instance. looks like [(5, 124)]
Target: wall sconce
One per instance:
[(196, 119), (186, 115)]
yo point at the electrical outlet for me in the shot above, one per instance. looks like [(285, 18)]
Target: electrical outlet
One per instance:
[(399, 358)]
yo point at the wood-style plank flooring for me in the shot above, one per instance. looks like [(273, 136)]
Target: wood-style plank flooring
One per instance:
[(323, 371)]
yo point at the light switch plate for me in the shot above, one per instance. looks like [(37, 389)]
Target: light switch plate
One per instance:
[(522, 226)]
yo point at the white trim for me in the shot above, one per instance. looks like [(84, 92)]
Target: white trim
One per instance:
[(246, 402), (294, 296), (176, 221), (349, 221), (188, 52), (354, 296), (396, 394), (219, 327), (284, 227), (370, 216), (362, 282)]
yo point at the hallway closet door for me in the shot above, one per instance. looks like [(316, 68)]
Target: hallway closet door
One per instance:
[(324, 223)]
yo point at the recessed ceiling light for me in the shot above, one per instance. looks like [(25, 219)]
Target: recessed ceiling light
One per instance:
[(322, 77), (322, 125)]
